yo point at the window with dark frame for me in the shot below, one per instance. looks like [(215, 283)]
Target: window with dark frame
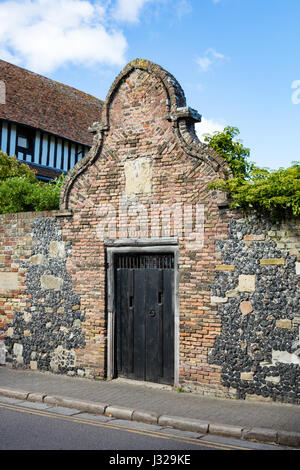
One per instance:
[(25, 143), (48, 151)]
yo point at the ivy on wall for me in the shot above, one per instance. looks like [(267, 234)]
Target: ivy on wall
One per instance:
[(271, 192)]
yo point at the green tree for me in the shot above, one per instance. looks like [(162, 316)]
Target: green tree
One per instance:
[(272, 192), (20, 191), (232, 150), (11, 167)]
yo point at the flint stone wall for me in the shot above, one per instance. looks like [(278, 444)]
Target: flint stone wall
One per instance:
[(42, 315), (259, 348)]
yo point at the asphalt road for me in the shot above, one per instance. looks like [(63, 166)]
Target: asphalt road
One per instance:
[(37, 426)]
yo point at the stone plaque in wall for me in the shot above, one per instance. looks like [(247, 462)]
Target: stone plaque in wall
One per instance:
[(138, 176)]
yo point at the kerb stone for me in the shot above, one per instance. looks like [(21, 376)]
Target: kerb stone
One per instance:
[(185, 424)]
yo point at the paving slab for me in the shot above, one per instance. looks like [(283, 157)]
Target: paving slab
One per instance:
[(98, 418), (136, 425), (34, 405), (180, 433), (61, 410), (10, 401)]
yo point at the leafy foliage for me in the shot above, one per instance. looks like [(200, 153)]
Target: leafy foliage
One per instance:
[(233, 151), (272, 192), (11, 167), (20, 191)]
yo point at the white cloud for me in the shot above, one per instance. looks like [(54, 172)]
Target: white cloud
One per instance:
[(42, 35), (129, 10), (210, 58), (183, 7), (208, 126)]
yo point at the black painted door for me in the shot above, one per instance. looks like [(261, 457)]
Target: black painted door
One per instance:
[(145, 317)]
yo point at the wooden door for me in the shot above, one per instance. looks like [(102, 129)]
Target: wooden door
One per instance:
[(145, 317)]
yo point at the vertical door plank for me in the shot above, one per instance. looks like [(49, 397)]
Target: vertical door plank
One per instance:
[(153, 337), (139, 323)]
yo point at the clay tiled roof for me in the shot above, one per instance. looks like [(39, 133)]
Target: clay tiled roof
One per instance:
[(39, 102)]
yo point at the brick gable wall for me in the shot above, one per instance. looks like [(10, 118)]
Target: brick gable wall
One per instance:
[(142, 142)]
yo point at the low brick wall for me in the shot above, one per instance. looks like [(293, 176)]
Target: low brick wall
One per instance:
[(249, 348)]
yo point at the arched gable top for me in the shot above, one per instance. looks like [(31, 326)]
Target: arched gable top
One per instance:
[(181, 117), (175, 94)]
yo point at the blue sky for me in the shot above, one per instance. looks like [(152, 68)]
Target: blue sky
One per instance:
[(238, 61)]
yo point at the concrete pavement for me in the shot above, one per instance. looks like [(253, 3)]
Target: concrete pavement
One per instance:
[(264, 422)]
